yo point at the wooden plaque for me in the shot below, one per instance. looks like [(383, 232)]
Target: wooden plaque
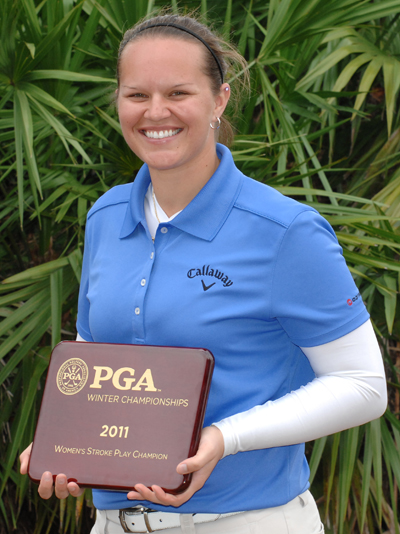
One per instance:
[(116, 415)]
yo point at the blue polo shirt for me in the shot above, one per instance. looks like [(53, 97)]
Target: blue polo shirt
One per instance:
[(243, 271)]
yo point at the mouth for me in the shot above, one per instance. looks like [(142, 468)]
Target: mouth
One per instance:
[(161, 134)]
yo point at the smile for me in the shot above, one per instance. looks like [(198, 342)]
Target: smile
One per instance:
[(161, 134)]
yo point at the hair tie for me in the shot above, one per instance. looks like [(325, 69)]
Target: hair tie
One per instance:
[(182, 28)]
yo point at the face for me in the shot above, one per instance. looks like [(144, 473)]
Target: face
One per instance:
[(165, 103)]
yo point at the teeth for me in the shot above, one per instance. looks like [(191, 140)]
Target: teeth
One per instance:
[(161, 134)]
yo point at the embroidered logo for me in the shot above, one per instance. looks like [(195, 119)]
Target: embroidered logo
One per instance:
[(350, 301), (206, 270), (206, 288)]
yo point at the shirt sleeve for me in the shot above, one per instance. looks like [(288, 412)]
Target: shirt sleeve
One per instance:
[(314, 296), (349, 390)]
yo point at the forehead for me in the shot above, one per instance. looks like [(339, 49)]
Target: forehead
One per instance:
[(163, 55)]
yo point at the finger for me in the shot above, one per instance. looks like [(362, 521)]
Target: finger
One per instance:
[(142, 492), (134, 496), (155, 494), (24, 459), (173, 500), (46, 485), (210, 450), (74, 489), (61, 487), (195, 463)]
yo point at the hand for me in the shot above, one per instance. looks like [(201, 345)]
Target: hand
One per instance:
[(24, 459), (210, 451), (46, 488)]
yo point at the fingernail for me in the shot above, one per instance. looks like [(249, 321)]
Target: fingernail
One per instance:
[(62, 481), (47, 477), (182, 469)]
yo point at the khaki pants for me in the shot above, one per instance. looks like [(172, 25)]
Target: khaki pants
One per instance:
[(299, 516)]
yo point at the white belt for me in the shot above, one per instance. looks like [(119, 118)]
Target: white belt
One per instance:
[(144, 520)]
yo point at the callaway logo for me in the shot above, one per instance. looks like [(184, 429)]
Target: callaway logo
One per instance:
[(206, 270), (206, 288)]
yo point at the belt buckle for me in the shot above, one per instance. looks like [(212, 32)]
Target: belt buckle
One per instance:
[(141, 511)]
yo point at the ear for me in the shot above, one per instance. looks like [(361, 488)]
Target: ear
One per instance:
[(221, 99)]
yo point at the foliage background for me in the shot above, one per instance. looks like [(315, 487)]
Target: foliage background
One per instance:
[(322, 125)]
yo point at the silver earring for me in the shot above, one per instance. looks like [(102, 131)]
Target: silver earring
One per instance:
[(216, 127)]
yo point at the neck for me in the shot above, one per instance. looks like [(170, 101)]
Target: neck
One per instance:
[(176, 188)]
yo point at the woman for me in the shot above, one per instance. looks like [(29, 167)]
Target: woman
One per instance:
[(193, 253)]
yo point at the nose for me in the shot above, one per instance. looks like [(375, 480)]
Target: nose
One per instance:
[(157, 109)]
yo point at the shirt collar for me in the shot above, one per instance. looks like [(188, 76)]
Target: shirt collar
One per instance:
[(205, 214)]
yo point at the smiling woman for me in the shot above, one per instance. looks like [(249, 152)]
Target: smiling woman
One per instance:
[(195, 254), (165, 106), (169, 93)]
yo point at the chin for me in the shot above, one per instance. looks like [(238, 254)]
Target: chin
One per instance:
[(162, 163)]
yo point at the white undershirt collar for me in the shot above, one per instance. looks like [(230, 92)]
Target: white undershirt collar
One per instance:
[(150, 214)]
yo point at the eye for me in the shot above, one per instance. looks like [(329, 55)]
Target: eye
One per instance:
[(179, 93), (137, 95)]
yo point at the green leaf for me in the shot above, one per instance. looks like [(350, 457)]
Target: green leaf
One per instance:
[(32, 49), (56, 306), (34, 92), (112, 122), (68, 76), (75, 260), (391, 74), (366, 81), (31, 18), (318, 449), (38, 369), (390, 301), (19, 156), (64, 134), (40, 271), (347, 458)]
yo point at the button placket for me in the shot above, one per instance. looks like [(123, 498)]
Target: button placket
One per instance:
[(139, 308)]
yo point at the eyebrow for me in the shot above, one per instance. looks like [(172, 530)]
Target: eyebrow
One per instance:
[(173, 87)]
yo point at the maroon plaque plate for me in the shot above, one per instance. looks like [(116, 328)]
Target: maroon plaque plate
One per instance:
[(114, 415)]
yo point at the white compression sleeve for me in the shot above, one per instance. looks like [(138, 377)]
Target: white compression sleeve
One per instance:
[(349, 390)]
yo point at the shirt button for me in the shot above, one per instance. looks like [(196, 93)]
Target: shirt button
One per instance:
[(137, 311), (164, 230), (143, 282), (152, 255)]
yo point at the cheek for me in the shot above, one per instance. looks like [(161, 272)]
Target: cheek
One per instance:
[(127, 114)]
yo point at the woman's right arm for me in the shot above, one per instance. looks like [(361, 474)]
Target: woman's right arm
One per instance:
[(61, 487)]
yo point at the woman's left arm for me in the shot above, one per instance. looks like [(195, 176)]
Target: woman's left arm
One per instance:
[(349, 390)]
